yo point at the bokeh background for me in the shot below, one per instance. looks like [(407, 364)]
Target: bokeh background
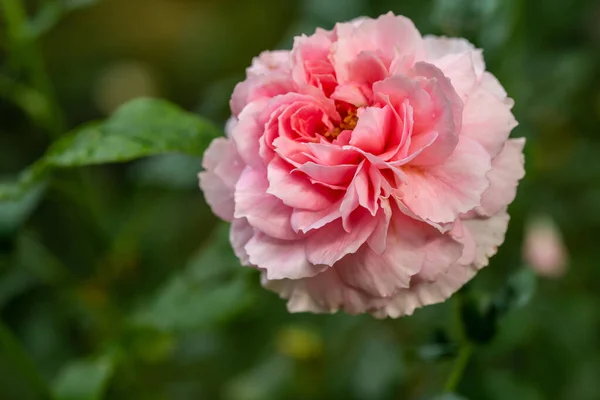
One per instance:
[(119, 283)]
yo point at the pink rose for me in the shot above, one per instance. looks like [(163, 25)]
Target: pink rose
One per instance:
[(368, 169)]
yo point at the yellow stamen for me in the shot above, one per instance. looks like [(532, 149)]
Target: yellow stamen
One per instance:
[(348, 123)]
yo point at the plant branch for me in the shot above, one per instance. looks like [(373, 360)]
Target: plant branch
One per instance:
[(24, 46)]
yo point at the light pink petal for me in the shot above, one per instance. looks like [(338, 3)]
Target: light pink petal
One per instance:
[(329, 174), (218, 195), (378, 239), (384, 275), (331, 154), (280, 259), (439, 47), (488, 120), (442, 192), (263, 211), (372, 130), (351, 94), (432, 111), (259, 87), (460, 70), (239, 234), (382, 36), (323, 293), (331, 242), (268, 62), (507, 170), (223, 168), (490, 83), (247, 133), (295, 189), (306, 220), (367, 68), (447, 108), (310, 62), (488, 234), (441, 252)]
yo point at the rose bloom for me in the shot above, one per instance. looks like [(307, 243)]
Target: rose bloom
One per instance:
[(368, 169)]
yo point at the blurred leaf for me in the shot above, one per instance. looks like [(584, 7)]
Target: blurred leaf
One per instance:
[(181, 305), (84, 379), (518, 290), (28, 99), (13, 213), (177, 171), (263, 382), (502, 385), (50, 13), (11, 349), (449, 396), (25, 183), (202, 294), (34, 256), (441, 347), (480, 316), (13, 282), (379, 367)]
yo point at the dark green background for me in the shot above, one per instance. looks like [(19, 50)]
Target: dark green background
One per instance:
[(121, 285)]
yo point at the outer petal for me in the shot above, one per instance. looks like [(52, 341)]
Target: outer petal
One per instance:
[(488, 234), (268, 62), (383, 36), (259, 87), (507, 170), (263, 211), (280, 259), (442, 192), (246, 133), (332, 242), (223, 167), (239, 234), (487, 119), (411, 246)]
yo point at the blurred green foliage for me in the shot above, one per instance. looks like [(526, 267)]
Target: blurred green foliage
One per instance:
[(117, 282)]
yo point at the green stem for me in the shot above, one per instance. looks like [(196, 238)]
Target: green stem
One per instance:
[(466, 348), (459, 368), (24, 46), (10, 348)]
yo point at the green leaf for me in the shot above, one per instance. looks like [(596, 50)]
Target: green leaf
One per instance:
[(211, 289), (449, 396), (140, 128), (480, 315), (11, 350), (518, 291), (13, 213), (84, 379), (50, 13), (265, 381)]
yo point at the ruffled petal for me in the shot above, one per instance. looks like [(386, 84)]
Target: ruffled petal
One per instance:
[(441, 193), (507, 170), (280, 259), (263, 211)]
